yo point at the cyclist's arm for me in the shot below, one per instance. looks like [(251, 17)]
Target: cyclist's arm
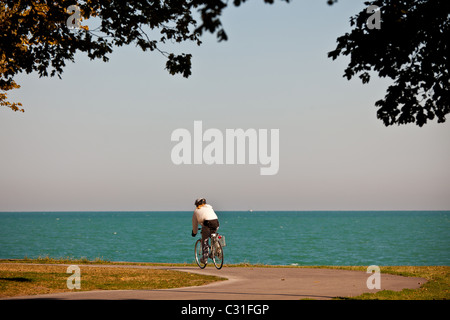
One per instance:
[(194, 224)]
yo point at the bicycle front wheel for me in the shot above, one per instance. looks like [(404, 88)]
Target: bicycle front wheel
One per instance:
[(199, 254), (217, 254)]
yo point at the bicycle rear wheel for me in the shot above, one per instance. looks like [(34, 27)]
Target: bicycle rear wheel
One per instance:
[(199, 254), (217, 254)]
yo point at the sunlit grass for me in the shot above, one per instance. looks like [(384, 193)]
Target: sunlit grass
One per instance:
[(31, 279)]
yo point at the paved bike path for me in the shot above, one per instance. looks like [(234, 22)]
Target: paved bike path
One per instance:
[(255, 283)]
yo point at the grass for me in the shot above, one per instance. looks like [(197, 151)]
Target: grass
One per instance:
[(33, 278), (28, 277)]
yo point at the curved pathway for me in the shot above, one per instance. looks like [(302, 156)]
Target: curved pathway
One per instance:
[(255, 283)]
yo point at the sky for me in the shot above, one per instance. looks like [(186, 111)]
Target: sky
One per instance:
[(100, 138)]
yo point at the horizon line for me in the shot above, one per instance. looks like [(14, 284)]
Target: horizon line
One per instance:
[(235, 210)]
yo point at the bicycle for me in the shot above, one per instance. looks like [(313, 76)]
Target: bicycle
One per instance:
[(215, 251)]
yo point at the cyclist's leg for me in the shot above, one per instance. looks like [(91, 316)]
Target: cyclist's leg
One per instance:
[(213, 226), (206, 232)]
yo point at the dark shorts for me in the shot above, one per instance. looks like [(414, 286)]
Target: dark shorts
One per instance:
[(211, 224)]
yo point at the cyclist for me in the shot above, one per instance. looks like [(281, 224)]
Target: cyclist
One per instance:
[(207, 218)]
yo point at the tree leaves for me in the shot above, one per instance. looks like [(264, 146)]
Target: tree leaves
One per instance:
[(179, 64), (412, 48), (35, 37)]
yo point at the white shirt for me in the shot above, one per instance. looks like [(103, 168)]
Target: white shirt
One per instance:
[(201, 214)]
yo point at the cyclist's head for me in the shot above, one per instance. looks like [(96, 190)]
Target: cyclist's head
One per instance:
[(199, 202)]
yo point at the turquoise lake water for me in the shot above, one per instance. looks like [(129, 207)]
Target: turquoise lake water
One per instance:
[(278, 238)]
